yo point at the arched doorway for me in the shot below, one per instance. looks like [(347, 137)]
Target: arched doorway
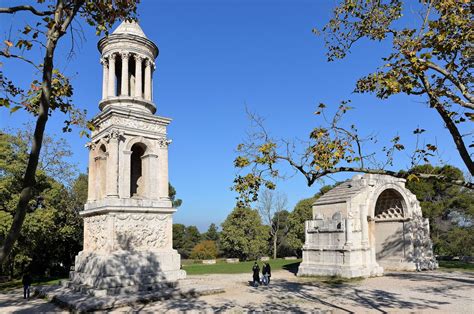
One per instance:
[(391, 242), (137, 187)]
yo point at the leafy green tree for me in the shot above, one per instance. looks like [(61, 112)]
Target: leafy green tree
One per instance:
[(52, 231), (243, 234), (450, 210), (172, 194), (212, 233), (179, 231), (192, 237), (206, 249), (302, 212), (46, 24), (185, 239)]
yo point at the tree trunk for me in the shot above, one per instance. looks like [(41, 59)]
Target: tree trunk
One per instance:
[(275, 245), (53, 35)]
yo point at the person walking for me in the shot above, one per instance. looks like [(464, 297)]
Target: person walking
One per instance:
[(256, 274), (267, 273), (26, 281)]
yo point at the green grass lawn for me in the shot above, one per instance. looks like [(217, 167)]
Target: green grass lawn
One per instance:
[(221, 267), (9, 285), (456, 265)]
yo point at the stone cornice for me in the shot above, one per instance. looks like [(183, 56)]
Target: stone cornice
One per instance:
[(122, 39)]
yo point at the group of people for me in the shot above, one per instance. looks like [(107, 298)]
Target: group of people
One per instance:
[(266, 274)]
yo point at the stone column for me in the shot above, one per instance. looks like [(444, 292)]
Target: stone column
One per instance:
[(124, 180), (364, 227), (125, 76), (150, 177), (112, 165), (105, 77), (111, 81), (163, 169), (91, 178), (147, 79), (348, 231), (138, 76)]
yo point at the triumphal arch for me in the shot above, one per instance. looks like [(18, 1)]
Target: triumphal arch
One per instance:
[(128, 214), (365, 225)]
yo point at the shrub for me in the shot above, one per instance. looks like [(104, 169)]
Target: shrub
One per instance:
[(204, 250)]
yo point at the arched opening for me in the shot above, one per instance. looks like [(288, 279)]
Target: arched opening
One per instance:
[(389, 205), (118, 75), (391, 240), (136, 170)]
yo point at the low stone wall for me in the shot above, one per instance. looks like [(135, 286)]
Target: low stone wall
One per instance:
[(208, 261), (232, 260)]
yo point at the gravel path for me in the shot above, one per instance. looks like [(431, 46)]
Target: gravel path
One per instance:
[(436, 291)]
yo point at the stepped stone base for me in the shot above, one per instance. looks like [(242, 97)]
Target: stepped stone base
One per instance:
[(341, 271), (75, 301), (123, 272)]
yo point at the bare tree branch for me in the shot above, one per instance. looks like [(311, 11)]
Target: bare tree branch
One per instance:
[(30, 8)]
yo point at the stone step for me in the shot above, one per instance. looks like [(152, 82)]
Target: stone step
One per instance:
[(79, 302)]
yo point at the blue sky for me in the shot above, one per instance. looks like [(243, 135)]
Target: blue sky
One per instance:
[(219, 57)]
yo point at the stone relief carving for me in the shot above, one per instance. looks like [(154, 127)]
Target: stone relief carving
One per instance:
[(141, 232), (163, 142), (95, 233), (127, 122)]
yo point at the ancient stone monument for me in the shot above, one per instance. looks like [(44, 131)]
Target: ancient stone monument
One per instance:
[(365, 225), (128, 215)]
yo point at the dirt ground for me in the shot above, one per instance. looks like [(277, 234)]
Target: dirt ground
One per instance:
[(435, 291)]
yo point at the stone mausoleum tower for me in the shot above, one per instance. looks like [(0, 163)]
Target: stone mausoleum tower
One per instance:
[(128, 215)]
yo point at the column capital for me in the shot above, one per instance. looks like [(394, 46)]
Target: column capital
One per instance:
[(112, 56), (104, 60), (150, 63), (138, 58), (124, 54), (163, 142)]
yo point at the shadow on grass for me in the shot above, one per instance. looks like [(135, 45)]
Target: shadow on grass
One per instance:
[(292, 268), (43, 281)]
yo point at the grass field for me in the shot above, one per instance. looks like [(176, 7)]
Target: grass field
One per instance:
[(4, 286), (221, 267), (456, 265)]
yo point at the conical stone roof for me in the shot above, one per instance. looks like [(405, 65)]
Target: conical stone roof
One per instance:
[(130, 28)]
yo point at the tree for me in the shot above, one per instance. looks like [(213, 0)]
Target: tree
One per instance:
[(302, 212), (179, 231), (281, 219), (172, 194), (430, 60), (450, 210), (270, 206), (185, 238), (52, 232), (212, 234), (206, 249), (46, 26), (192, 237), (243, 234)]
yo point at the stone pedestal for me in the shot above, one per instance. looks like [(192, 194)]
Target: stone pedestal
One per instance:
[(127, 248)]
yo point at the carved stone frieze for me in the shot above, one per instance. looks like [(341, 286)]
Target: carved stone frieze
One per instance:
[(95, 233), (134, 124), (141, 232)]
